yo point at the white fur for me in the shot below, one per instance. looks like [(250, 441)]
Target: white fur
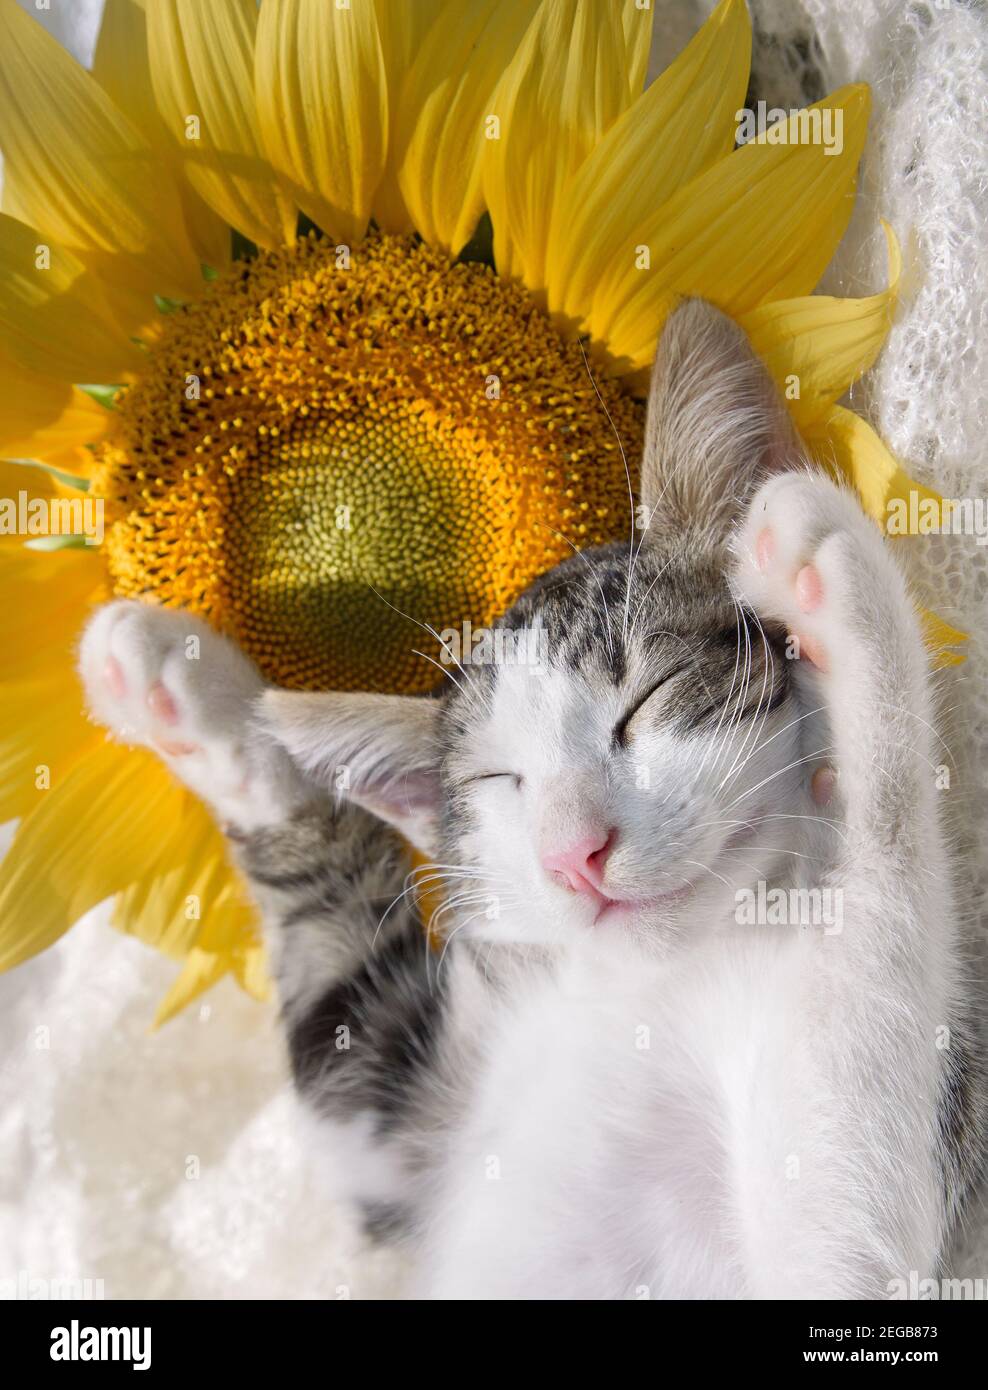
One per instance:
[(670, 1104), (753, 1115)]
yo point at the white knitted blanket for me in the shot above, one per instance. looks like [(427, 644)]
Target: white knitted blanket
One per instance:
[(176, 1165)]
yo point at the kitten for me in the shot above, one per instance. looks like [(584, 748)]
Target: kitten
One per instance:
[(624, 1075)]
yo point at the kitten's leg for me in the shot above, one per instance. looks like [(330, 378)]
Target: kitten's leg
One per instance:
[(863, 1088), (161, 678), (360, 1004)]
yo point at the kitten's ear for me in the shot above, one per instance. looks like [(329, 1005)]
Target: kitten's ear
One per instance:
[(716, 425), (377, 750)]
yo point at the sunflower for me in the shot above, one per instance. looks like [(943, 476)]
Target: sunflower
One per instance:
[(342, 311)]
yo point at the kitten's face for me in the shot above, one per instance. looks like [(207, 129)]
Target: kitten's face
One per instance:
[(639, 770), (644, 767)]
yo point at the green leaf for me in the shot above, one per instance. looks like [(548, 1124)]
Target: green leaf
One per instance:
[(105, 396), (167, 306), (58, 543), (66, 479)]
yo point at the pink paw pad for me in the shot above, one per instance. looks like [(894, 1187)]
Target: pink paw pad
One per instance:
[(764, 548), (810, 650), (823, 784), (162, 704), (809, 589), (174, 748), (114, 677)]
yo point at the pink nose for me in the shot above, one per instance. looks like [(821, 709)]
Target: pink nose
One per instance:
[(580, 867)]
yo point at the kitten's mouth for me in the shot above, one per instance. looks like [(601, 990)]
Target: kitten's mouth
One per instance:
[(608, 908), (613, 909)]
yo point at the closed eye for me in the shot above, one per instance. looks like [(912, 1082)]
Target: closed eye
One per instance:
[(768, 635), (621, 727), (491, 777)]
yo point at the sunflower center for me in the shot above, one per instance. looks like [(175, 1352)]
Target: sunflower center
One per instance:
[(334, 448)]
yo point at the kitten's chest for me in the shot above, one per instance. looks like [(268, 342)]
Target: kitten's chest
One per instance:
[(593, 1152)]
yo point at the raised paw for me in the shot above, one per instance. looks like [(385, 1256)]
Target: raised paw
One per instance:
[(163, 679), (806, 556), (809, 558)]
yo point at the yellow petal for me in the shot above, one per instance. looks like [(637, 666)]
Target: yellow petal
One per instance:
[(563, 90), (57, 318), (322, 102), (200, 971), (46, 420), (192, 905), (203, 969), (121, 67), (676, 129), (939, 637), (822, 344), (849, 448), (43, 734), (759, 225), (402, 29), (251, 969), (446, 97), (46, 596), (34, 482), (637, 24), (43, 731), (91, 836), (202, 68), (120, 64), (428, 895), (174, 900), (229, 943), (76, 166)]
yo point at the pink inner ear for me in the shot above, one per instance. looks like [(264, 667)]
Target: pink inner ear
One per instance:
[(413, 791)]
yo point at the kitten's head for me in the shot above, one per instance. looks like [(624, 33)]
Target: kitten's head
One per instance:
[(619, 751)]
